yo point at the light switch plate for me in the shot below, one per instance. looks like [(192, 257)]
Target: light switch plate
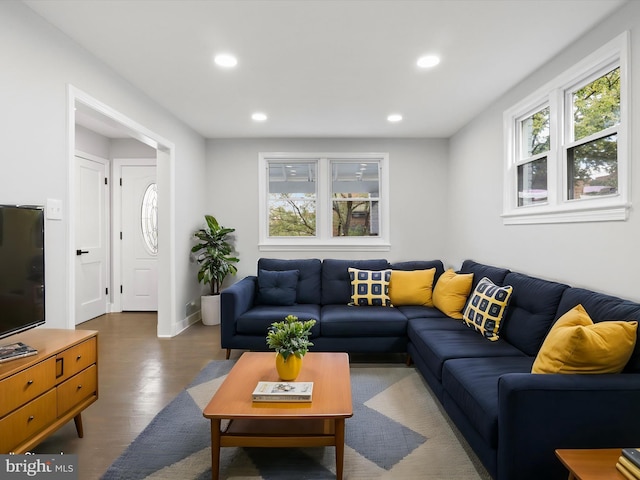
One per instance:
[(54, 209)]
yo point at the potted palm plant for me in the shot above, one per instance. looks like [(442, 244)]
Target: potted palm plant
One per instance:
[(290, 340), (214, 254)]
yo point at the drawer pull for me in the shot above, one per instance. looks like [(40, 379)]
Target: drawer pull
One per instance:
[(31, 417), (79, 386), (78, 357), (30, 382)]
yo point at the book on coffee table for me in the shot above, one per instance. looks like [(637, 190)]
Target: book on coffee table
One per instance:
[(283, 392), (12, 351), (632, 455)]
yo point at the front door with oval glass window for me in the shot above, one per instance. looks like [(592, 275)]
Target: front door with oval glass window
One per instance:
[(139, 238)]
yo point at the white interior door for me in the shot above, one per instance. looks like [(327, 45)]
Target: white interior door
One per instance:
[(139, 217), (91, 242)]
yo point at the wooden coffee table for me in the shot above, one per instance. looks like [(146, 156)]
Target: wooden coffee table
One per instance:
[(591, 464), (319, 423)]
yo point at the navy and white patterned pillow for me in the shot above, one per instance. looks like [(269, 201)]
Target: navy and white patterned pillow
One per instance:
[(370, 287), (486, 308)]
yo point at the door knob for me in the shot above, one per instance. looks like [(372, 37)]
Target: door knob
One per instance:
[(80, 252)]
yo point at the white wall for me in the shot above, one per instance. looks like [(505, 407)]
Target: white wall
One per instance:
[(601, 256), (88, 141), (417, 169), (38, 63)]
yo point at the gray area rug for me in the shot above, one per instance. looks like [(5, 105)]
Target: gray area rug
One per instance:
[(397, 431)]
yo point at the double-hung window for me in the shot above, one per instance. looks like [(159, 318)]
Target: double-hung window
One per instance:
[(566, 146), (335, 201)]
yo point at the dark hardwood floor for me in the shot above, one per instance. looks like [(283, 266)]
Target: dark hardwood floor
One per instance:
[(139, 374)]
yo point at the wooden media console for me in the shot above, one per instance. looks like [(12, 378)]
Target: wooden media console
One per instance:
[(40, 393)]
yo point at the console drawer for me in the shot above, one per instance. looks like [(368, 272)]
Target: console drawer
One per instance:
[(76, 389), (27, 421), (75, 359), (26, 385)]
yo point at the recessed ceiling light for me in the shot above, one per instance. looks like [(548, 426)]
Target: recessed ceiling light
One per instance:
[(259, 117), (225, 60), (394, 117), (428, 61)]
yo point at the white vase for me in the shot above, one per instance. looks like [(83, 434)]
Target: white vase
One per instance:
[(210, 309)]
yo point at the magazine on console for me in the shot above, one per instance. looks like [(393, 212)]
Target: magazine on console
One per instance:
[(15, 350)]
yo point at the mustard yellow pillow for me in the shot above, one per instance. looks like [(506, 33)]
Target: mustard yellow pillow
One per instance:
[(412, 287), (577, 345), (451, 292)]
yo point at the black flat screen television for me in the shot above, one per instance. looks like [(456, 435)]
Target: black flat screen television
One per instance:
[(21, 268)]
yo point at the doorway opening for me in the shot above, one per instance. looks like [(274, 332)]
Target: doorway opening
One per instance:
[(93, 115)]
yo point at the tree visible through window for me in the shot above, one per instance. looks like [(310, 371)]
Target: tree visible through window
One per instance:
[(322, 198), (535, 144), (593, 165), (567, 144), (292, 199), (355, 192)]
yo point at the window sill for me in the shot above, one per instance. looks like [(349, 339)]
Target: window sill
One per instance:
[(608, 213), (284, 246)]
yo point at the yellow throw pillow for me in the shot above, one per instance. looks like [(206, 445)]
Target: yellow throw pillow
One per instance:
[(451, 292), (486, 308), (412, 287), (577, 345)]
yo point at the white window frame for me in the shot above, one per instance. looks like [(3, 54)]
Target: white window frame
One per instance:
[(559, 208), (323, 240)]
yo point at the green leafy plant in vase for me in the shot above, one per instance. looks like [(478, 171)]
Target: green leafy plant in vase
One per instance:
[(290, 340)]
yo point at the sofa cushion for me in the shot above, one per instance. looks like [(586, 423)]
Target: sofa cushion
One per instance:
[(277, 288), (438, 346), (472, 383), (351, 321), (417, 311), (486, 308), (451, 292), (412, 287), (422, 325), (531, 311), (336, 284), (309, 277), (479, 270), (258, 319), (603, 307), (576, 345), (370, 287)]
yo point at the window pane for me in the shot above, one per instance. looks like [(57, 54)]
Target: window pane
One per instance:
[(292, 199), (597, 106), (532, 182), (355, 218), (534, 132), (149, 218), (352, 179), (354, 186), (593, 168)]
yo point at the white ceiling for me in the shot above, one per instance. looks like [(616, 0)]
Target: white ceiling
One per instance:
[(324, 68)]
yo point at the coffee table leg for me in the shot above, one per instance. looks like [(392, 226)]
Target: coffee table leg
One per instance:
[(339, 429), (215, 448)]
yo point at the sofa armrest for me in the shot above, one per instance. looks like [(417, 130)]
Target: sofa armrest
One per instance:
[(234, 301), (538, 413)]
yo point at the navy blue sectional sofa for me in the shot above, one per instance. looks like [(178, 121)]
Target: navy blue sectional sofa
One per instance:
[(513, 419)]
